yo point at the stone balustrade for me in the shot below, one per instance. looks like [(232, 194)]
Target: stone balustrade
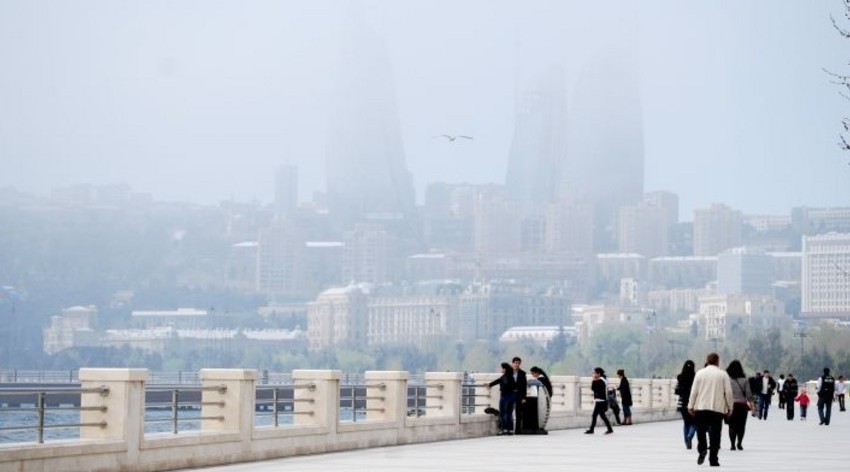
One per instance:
[(114, 437)]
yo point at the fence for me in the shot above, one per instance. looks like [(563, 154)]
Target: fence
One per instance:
[(314, 413)]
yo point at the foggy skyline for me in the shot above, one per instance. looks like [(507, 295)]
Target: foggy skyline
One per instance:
[(202, 101)]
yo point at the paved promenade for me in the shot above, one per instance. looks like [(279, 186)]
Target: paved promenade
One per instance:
[(773, 445)]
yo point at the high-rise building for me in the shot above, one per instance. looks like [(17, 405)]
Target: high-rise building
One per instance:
[(498, 227), (280, 260), (826, 276), (744, 271), (338, 317), (368, 255), (538, 148), (366, 169), (716, 229), (569, 228), (604, 164), (669, 201), (643, 229)]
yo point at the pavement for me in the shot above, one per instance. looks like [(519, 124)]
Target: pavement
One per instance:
[(772, 445)]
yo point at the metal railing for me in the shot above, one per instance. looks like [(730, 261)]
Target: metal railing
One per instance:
[(282, 402), (470, 398), (355, 398), (417, 398), (48, 415), (177, 399)]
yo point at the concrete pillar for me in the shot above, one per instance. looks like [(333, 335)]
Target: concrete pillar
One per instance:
[(228, 399), (566, 393), (665, 393), (642, 392), (121, 410), (316, 398), (386, 396), (443, 390)]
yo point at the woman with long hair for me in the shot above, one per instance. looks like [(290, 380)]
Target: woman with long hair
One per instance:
[(684, 382), (507, 398), (742, 397), (625, 396)]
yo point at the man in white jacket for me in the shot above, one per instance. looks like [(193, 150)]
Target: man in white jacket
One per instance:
[(710, 401)]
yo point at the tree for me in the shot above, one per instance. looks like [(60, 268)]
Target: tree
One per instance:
[(843, 80)]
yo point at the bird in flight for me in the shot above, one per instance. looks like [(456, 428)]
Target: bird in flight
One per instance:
[(452, 137)]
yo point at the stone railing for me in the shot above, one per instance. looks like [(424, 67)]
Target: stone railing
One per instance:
[(117, 440)]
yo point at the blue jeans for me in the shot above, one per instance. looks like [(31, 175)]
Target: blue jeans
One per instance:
[(506, 411), (764, 405)]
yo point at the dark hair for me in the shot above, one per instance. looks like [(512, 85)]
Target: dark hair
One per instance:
[(537, 370), (516, 359), (599, 370), (712, 359), (826, 371), (689, 367), (736, 370), (507, 366), (621, 372)]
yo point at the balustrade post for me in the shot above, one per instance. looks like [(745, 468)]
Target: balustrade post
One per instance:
[(227, 400), (566, 393), (443, 390), (386, 396), (316, 398), (113, 406)]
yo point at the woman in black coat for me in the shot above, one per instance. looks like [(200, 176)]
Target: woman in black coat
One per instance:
[(684, 382), (625, 396), (507, 398), (600, 400)]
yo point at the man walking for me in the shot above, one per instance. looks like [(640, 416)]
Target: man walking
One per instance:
[(710, 401), (790, 392), (840, 389), (765, 393), (826, 391)]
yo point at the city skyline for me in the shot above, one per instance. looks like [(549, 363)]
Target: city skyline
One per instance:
[(736, 108)]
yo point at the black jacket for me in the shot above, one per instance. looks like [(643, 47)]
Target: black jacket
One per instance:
[(506, 384), (626, 392), (599, 390), (790, 389), (521, 385)]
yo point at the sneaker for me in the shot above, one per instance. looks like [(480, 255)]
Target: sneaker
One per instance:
[(589, 431), (701, 458), (610, 431)]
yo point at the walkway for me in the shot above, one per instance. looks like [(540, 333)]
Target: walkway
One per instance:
[(773, 445)]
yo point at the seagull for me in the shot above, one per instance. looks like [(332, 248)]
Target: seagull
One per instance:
[(452, 138)]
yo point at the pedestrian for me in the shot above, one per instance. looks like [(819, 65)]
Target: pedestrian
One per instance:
[(826, 392), (840, 389), (755, 386), (684, 381), (803, 398), (541, 377), (507, 399), (780, 391), (790, 388), (710, 401), (765, 393), (600, 400), (625, 396), (742, 401), (612, 402), (521, 389)]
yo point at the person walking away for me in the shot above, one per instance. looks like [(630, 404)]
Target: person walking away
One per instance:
[(790, 393), (755, 386), (826, 391), (625, 396), (600, 406), (684, 381), (742, 399), (803, 398), (780, 391), (710, 401), (765, 391), (840, 389), (507, 399)]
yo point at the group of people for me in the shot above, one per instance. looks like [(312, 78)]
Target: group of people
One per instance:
[(711, 396), (605, 396), (513, 388)]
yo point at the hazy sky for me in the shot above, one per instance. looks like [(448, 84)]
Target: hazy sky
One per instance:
[(202, 100)]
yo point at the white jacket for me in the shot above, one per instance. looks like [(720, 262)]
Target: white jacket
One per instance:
[(712, 390)]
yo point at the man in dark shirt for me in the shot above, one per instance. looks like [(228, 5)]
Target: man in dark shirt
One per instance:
[(521, 385), (790, 390)]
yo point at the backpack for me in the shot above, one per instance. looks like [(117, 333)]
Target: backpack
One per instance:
[(827, 386)]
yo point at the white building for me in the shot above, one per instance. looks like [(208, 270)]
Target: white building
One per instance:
[(723, 315), (826, 276)]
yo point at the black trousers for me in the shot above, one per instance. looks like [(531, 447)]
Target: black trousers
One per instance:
[(599, 410), (709, 423), (738, 422), (789, 408)]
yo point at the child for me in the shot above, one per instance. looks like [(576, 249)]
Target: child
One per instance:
[(803, 398)]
